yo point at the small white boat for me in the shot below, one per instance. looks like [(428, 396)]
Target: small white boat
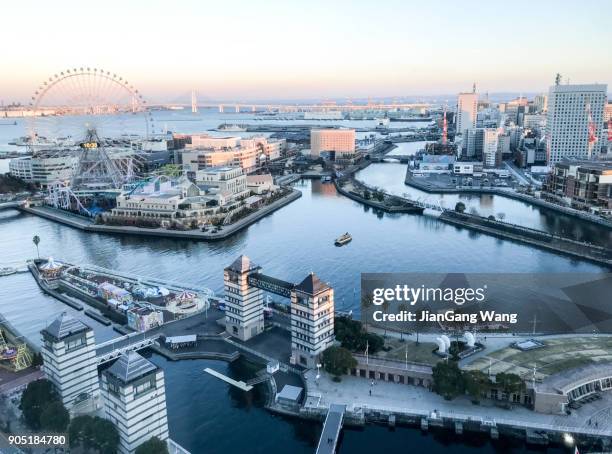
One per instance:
[(343, 239)]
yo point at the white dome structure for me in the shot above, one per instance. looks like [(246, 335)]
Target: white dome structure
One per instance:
[(470, 340), (441, 345)]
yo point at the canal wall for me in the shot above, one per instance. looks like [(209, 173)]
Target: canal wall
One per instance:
[(537, 238), (88, 225), (415, 183)]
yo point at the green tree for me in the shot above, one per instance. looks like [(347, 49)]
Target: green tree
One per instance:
[(36, 241), (448, 379), (337, 360), (509, 383), (54, 417), (460, 207), (37, 395), (476, 383), (352, 336), (152, 446), (93, 433)]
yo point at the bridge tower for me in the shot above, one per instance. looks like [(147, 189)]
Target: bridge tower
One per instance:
[(312, 320), (69, 362), (220, 108), (237, 108), (194, 102), (244, 317)]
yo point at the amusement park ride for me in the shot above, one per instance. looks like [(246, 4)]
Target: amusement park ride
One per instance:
[(15, 356), (95, 118)]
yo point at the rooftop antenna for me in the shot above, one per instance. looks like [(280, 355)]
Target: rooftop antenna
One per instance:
[(474, 88), (558, 79)]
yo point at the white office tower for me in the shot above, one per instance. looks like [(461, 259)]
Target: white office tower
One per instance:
[(135, 400), (570, 108), (69, 362), (467, 107), (491, 156), (312, 320), (244, 316)]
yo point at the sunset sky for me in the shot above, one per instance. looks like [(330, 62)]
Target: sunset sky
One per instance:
[(249, 50)]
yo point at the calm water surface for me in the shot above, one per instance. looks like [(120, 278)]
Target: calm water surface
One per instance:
[(204, 412)]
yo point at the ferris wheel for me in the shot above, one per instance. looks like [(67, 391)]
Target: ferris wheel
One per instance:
[(70, 104)]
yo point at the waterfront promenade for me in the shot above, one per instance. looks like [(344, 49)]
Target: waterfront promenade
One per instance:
[(433, 186), (88, 225), (414, 403)]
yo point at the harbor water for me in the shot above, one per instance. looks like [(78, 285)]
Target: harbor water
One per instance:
[(204, 413)]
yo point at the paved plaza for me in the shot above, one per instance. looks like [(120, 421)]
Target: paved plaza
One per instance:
[(354, 392)]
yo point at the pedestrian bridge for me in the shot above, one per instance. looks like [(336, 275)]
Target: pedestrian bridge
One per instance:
[(114, 348), (331, 429)]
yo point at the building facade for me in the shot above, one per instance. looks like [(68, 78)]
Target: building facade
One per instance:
[(467, 107), (585, 185), (339, 141), (567, 123), (135, 400), (69, 358), (312, 320), (244, 314)]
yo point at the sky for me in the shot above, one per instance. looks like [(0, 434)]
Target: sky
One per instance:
[(245, 50)]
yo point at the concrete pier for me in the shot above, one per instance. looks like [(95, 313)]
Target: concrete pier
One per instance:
[(238, 384)]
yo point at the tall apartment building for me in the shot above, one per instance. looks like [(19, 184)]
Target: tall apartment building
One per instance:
[(135, 400), (312, 320), (69, 357), (491, 155), (567, 122), (339, 141), (244, 317), (481, 143), (467, 107)]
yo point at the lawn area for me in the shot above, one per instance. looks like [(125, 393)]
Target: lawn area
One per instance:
[(557, 355), (421, 353)]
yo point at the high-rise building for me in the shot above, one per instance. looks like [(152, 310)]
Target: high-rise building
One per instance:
[(312, 320), (491, 155), (244, 317), (467, 107), (567, 124), (341, 142), (135, 400), (541, 103), (481, 143), (69, 362)]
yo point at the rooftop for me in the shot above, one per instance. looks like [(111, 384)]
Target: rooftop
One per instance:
[(312, 285), (65, 325), (130, 366), (243, 264)]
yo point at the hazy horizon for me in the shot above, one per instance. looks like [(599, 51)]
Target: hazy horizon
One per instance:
[(275, 50)]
